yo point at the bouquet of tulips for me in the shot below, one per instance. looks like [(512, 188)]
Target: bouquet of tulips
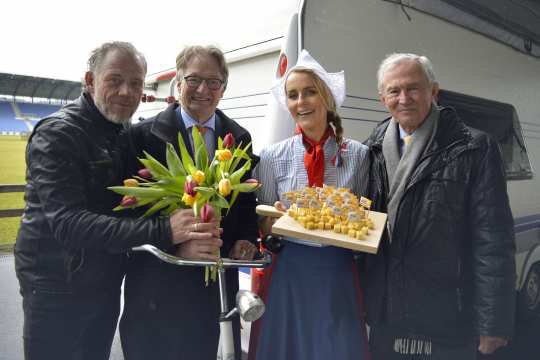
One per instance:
[(205, 184)]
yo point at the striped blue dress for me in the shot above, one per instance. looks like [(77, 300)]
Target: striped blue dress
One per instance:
[(313, 310)]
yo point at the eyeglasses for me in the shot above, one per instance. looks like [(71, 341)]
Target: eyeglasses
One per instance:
[(196, 81)]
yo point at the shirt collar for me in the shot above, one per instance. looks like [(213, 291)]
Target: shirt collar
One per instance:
[(402, 133), (189, 122)]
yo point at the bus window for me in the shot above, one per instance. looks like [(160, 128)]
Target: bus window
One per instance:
[(498, 119)]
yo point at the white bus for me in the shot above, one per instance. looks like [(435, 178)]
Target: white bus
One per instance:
[(489, 70)]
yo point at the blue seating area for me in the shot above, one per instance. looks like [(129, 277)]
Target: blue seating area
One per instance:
[(38, 110), (10, 124)]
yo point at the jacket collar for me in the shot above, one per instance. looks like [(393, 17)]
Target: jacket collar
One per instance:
[(84, 111), (90, 111)]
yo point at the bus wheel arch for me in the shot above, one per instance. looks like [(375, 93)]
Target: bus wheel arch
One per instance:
[(529, 295)]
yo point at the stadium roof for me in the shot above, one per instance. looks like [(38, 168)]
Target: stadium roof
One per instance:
[(37, 87)]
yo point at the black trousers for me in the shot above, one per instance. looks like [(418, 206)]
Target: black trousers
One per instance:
[(169, 314), (382, 342), (66, 326)]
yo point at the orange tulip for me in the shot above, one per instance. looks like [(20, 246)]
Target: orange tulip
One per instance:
[(223, 155)]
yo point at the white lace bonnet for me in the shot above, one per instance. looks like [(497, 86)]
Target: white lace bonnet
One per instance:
[(334, 81)]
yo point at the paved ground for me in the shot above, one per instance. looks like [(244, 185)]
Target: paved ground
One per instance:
[(524, 347), (11, 318)]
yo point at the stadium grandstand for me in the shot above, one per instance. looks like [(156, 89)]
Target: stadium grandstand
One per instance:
[(26, 99)]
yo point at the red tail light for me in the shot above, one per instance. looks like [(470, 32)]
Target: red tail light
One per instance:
[(282, 65)]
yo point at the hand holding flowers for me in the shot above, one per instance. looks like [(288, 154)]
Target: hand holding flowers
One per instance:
[(206, 185), (196, 240)]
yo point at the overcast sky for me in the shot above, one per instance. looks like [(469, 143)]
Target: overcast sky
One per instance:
[(52, 38)]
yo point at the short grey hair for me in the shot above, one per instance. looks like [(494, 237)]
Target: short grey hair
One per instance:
[(189, 52), (392, 60), (100, 53)]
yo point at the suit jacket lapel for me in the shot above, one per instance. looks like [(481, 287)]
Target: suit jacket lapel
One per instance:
[(220, 129), (184, 133), (167, 126)]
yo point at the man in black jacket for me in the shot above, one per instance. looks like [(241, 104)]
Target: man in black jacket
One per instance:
[(442, 283), (169, 313), (69, 254)]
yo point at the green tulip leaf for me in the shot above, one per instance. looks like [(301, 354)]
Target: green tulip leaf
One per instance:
[(157, 170), (201, 154), (205, 190), (219, 201), (187, 161), (237, 175), (140, 192), (161, 204), (173, 162)]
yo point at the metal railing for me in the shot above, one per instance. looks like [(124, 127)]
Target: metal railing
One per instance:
[(11, 189), (10, 213)]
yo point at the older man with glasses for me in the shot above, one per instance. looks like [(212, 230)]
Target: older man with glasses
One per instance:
[(169, 313)]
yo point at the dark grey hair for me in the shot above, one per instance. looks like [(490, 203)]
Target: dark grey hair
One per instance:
[(394, 59), (189, 52), (98, 54)]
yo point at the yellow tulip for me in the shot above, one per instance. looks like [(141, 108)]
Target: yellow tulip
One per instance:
[(223, 155), (198, 176), (188, 199), (131, 183), (224, 187)]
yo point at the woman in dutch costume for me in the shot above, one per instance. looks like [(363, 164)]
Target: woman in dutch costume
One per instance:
[(314, 307)]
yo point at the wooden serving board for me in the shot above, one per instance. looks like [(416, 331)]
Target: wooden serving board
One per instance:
[(287, 226)]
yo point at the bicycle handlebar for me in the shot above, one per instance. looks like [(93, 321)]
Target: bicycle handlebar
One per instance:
[(226, 263)]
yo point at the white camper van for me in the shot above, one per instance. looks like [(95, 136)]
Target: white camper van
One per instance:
[(488, 69)]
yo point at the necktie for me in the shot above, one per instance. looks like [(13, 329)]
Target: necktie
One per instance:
[(202, 129), (407, 140)]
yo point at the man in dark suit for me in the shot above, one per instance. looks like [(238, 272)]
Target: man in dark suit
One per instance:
[(169, 313)]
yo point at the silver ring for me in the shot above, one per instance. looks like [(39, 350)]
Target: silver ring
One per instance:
[(196, 227)]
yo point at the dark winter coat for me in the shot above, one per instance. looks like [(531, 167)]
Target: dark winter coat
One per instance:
[(180, 314), (449, 272), (70, 240)]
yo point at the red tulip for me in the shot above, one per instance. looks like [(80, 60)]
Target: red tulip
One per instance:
[(207, 213), (189, 187), (228, 141), (145, 173), (128, 201)]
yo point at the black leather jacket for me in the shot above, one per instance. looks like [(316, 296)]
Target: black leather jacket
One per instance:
[(449, 272), (70, 240)]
